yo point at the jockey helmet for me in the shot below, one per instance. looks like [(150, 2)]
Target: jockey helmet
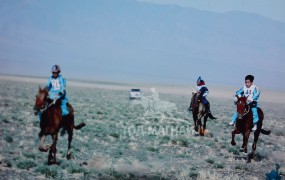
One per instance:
[(200, 81), (55, 69)]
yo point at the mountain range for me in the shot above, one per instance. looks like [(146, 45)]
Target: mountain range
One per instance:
[(127, 40)]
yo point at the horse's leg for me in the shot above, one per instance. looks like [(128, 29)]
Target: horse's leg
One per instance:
[(70, 134), (195, 119), (42, 148), (256, 136), (205, 123), (52, 151), (245, 140), (199, 125), (243, 143), (200, 115), (234, 132)]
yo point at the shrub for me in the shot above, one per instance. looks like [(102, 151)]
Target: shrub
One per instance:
[(31, 156), (8, 162), (193, 174), (165, 140), (152, 149), (48, 171), (8, 139), (219, 166), (211, 161), (241, 167), (73, 168), (233, 150), (115, 135), (184, 143), (26, 164)]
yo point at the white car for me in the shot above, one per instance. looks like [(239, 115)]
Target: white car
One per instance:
[(135, 94)]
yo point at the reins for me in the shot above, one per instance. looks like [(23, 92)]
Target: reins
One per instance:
[(48, 106), (246, 111)]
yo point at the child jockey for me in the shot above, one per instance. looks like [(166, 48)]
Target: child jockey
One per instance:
[(202, 93), (56, 85), (252, 93)]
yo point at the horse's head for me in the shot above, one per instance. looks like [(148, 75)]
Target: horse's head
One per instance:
[(242, 107), (41, 99), (195, 100)]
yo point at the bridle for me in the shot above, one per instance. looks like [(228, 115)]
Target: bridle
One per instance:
[(246, 111), (46, 105)]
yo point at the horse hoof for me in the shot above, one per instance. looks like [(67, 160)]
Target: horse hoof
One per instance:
[(68, 156), (196, 128), (233, 143), (53, 162), (43, 149), (241, 150)]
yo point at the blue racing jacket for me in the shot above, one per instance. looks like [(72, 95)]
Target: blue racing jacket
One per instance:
[(56, 87), (203, 93), (252, 93)]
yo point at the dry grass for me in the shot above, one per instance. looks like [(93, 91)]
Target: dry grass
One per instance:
[(132, 139)]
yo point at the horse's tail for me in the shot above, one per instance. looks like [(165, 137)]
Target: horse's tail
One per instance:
[(211, 116), (265, 132), (79, 126)]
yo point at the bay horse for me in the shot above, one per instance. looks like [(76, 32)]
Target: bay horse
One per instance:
[(198, 112), (52, 121), (244, 124)]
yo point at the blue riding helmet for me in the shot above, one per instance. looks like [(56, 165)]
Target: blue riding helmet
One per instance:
[(55, 69)]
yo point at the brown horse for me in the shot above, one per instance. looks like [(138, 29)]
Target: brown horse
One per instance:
[(244, 125), (52, 121), (198, 112)]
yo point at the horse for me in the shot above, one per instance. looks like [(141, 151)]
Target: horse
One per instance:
[(198, 112), (52, 121), (244, 124)]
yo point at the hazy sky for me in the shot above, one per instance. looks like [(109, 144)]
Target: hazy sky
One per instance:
[(274, 9), (127, 40)]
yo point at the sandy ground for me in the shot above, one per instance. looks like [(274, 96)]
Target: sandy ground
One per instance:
[(216, 91)]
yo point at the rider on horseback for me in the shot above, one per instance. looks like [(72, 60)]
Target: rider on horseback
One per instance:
[(202, 91), (252, 93), (56, 85)]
